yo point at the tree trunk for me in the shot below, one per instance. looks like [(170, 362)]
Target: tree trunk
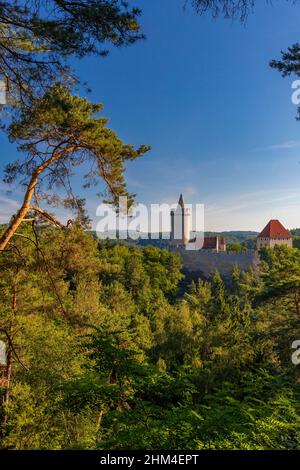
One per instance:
[(21, 214), (99, 419), (9, 357), (8, 379)]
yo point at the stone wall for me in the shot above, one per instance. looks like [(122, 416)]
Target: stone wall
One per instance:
[(272, 242), (206, 262)]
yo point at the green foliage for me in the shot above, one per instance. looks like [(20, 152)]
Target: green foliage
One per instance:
[(236, 248), (107, 355), (66, 126), (141, 271), (296, 242), (103, 352), (281, 275), (38, 37), (33, 422)]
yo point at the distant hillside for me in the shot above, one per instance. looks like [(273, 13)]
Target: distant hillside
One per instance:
[(234, 235), (247, 238), (241, 233), (238, 237)]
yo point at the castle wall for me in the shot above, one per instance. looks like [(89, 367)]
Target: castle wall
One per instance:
[(206, 262), (272, 242)]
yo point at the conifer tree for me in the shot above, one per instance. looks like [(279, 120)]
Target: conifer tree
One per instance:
[(58, 133), (38, 37), (219, 305)]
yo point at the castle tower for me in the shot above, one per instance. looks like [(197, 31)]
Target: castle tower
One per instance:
[(274, 234), (222, 245), (180, 224)]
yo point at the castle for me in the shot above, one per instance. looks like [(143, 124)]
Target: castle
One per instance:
[(274, 234), (181, 229), (211, 253)]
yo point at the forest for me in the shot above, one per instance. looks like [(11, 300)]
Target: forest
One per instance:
[(107, 346), (106, 354)]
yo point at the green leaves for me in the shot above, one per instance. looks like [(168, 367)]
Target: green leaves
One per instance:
[(116, 360), (59, 133), (36, 39)]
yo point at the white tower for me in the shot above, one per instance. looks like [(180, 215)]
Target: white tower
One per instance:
[(180, 224)]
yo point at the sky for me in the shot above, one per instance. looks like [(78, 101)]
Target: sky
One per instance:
[(220, 121)]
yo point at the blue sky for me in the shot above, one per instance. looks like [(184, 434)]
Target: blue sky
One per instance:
[(220, 122)]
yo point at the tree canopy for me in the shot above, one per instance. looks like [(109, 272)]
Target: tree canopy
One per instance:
[(57, 133), (38, 36), (288, 64), (239, 9), (108, 352)]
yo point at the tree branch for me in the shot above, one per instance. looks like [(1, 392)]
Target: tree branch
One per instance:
[(47, 216)]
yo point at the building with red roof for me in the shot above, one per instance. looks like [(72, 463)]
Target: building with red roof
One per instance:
[(180, 231), (274, 234), (215, 244)]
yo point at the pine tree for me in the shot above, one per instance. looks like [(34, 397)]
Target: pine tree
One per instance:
[(58, 133)]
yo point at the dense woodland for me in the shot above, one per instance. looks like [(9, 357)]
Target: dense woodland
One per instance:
[(105, 350), (105, 354)]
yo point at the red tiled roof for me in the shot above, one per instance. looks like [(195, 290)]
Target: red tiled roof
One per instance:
[(274, 229), (210, 243)]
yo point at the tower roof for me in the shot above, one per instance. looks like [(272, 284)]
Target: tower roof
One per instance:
[(181, 201), (275, 229)]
